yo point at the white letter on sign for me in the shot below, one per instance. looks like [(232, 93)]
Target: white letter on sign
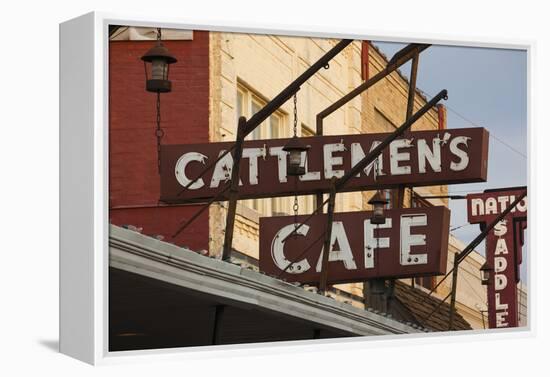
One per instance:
[(478, 207), (344, 254), (281, 156), (309, 175), (432, 156), (331, 161), (182, 164), (396, 157), (500, 264), (501, 317), (277, 250), (464, 159), (500, 282), (408, 239), (498, 305), (500, 229), (501, 247), (252, 154), (374, 243), (357, 155), (222, 170)]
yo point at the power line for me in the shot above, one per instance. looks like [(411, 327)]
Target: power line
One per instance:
[(458, 227), (508, 145), (477, 125)]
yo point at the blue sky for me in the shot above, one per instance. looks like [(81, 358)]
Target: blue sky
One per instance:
[(487, 87)]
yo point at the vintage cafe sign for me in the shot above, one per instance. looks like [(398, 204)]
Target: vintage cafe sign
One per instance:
[(424, 158), (503, 250), (411, 242)]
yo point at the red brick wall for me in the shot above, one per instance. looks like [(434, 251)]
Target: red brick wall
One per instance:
[(133, 174), (365, 45)]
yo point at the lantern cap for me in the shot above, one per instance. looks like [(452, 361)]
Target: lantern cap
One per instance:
[(378, 199), (295, 145), (159, 52), (485, 267)]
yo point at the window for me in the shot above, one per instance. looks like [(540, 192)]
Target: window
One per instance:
[(248, 104)]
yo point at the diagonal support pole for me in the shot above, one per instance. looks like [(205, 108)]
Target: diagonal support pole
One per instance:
[(234, 190), (328, 237), (400, 202)]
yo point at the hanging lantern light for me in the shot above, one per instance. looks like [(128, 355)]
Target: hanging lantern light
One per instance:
[(157, 65), (378, 202), (294, 147), (485, 274)]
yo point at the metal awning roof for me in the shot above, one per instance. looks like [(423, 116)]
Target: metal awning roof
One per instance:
[(223, 282)]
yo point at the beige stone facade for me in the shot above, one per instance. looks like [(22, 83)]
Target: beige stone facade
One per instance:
[(247, 70)]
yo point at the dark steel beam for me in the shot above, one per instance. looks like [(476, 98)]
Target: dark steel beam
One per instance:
[(203, 208), (217, 326), (328, 236), (453, 292), (233, 190), (439, 196), (400, 202)]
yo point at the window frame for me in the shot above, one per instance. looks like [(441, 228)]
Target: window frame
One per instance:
[(246, 99)]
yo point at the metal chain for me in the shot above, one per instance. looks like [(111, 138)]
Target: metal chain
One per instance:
[(159, 132), (295, 114), (296, 205)]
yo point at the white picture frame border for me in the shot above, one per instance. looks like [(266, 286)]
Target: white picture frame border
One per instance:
[(84, 238)]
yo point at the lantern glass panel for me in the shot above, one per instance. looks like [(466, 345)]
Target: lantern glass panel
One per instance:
[(159, 70), (378, 210), (295, 158)]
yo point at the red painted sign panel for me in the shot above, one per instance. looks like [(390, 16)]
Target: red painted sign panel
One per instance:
[(503, 251), (424, 158), (412, 242)]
